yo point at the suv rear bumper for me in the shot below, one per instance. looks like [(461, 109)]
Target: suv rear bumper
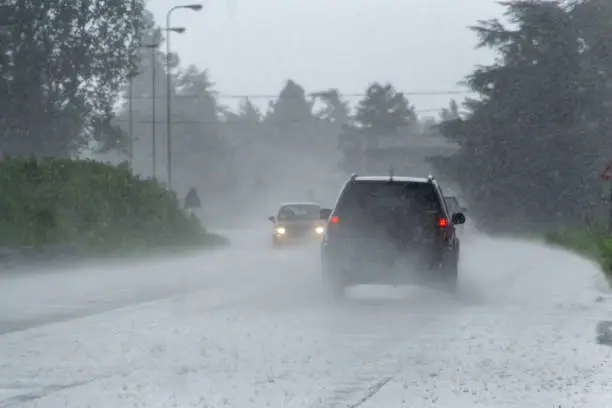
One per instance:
[(418, 265)]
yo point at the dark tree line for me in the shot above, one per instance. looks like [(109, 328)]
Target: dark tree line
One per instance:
[(65, 71), (62, 64), (224, 150), (530, 145), (535, 140)]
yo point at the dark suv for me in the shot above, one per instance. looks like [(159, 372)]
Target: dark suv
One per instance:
[(390, 230)]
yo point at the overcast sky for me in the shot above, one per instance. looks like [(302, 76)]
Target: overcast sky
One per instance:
[(253, 46)]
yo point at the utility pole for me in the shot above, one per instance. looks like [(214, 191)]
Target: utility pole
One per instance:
[(606, 177), (609, 210), (153, 109), (168, 103), (193, 7), (153, 48), (131, 105), (131, 118)]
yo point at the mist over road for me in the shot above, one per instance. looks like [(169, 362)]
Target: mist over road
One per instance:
[(44, 296), (249, 326)]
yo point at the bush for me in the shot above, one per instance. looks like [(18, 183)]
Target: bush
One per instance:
[(593, 243), (95, 207)]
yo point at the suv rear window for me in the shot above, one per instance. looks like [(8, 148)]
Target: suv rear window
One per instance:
[(373, 197)]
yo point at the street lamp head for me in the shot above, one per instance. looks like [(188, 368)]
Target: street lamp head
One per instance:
[(179, 30), (194, 7)]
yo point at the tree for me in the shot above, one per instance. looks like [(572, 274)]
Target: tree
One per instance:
[(288, 143), (61, 68), (384, 111), (383, 115), (249, 112), (450, 113), (202, 156), (291, 105), (594, 19), (243, 128), (335, 110), (290, 122), (528, 150)]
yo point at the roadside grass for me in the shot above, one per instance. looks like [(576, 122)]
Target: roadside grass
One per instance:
[(84, 209), (593, 243)]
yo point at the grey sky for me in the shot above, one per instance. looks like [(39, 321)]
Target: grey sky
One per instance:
[(253, 46)]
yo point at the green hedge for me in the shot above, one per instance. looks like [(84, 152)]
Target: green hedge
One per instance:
[(593, 243), (94, 207)]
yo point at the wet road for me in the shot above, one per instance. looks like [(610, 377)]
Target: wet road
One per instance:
[(249, 326)]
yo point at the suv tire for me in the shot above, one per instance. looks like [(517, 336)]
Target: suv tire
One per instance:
[(449, 274)]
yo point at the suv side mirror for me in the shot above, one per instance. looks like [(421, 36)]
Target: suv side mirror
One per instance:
[(458, 219), (272, 218), (324, 213)]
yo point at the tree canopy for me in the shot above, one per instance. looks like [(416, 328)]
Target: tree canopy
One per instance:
[(530, 143), (384, 111), (533, 141), (62, 64)]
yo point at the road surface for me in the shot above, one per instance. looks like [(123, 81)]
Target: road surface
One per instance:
[(248, 327)]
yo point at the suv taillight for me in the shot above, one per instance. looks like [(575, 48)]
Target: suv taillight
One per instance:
[(332, 224), (445, 231)]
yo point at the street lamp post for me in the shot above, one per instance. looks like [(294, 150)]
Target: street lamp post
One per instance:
[(153, 107), (193, 7), (153, 47), (131, 109), (131, 118)]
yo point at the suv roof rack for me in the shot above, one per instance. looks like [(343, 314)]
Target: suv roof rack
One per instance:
[(430, 178)]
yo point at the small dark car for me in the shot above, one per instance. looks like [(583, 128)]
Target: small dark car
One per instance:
[(390, 230), (298, 222)]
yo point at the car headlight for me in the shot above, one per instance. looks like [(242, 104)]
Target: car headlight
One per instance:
[(319, 230), (280, 230)]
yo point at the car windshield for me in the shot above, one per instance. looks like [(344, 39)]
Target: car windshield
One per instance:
[(391, 197), (299, 212)]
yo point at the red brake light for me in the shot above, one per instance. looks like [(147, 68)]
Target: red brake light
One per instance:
[(334, 219), (443, 222)]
